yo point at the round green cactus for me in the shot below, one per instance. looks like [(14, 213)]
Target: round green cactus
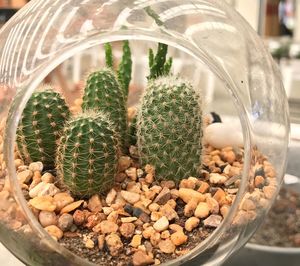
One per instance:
[(169, 128), (40, 126), (104, 93), (88, 154)]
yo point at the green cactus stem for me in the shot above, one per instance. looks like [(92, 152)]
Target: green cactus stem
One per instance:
[(169, 128), (125, 69), (40, 126), (104, 93), (88, 154), (109, 60)]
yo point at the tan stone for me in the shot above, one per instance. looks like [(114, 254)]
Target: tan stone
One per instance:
[(78, 217), (140, 258), (165, 234), (114, 244), (127, 229), (101, 242), (136, 241), (179, 238), (54, 231), (169, 212), (47, 178), (148, 232), (269, 191), (190, 207), (108, 227), (36, 166), (62, 199), (43, 203), (161, 224), (191, 224), (124, 163), (128, 219), (131, 173), (130, 197), (186, 183), (175, 227), (71, 207), (24, 176), (202, 210), (167, 246), (111, 196), (213, 205), (187, 194)]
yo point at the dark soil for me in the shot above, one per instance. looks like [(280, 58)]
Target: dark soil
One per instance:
[(281, 227)]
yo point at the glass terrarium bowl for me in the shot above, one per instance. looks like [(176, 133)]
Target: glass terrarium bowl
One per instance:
[(212, 46)]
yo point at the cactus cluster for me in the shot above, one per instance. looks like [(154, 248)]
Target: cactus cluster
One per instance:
[(88, 154), (169, 128), (39, 129), (87, 147)]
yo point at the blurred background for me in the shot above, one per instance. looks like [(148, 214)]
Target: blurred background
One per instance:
[(276, 21)]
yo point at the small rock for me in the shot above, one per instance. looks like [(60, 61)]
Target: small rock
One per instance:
[(89, 243), (78, 217), (179, 238), (124, 163), (162, 224), (165, 234), (131, 173), (186, 194), (140, 258), (224, 210), (120, 177), (36, 166), (202, 210), (163, 197), (148, 232), (155, 239), (24, 176), (169, 212), (213, 205), (71, 207), (62, 199), (130, 197), (101, 241), (204, 187), (269, 191), (94, 220), (128, 219), (65, 222), (108, 227), (94, 204), (54, 231), (47, 178), (215, 178), (48, 190), (127, 229), (111, 197), (149, 178), (220, 196), (167, 246), (228, 155), (185, 183), (136, 241), (176, 227), (150, 169), (139, 173), (35, 191), (114, 244), (107, 210), (43, 203), (47, 218), (170, 184), (190, 207), (213, 221), (248, 205), (155, 216), (191, 224)]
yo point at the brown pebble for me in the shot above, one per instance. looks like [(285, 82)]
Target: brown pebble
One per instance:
[(94, 204), (190, 207), (114, 244), (220, 196), (176, 227), (65, 222), (101, 241), (228, 156), (169, 212), (149, 178), (155, 239), (43, 203), (78, 217), (47, 218), (179, 238), (259, 181), (167, 246), (269, 191), (185, 183), (204, 187), (131, 173), (108, 227), (140, 258), (62, 199), (165, 234), (150, 169), (224, 210), (130, 197), (213, 205), (136, 241), (248, 205), (127, 229), (163, 197), (124, 163), (213, 221), (54, 231), (148, 232), (187, 194)]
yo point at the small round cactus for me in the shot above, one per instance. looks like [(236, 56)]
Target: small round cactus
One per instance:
[(40, 126), (104, 93), (169, 128), (87, 156)]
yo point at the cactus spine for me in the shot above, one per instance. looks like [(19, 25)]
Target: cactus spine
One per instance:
[(88, 154), (40, 126), (169, 128), (103, 92)]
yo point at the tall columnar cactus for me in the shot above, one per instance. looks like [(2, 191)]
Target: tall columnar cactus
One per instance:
[(169, 128), (88, 154), (103, 92), (40, 126)]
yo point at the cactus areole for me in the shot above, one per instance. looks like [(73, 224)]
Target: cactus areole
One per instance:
[(40, 126), (88, 153), (169, 128)]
